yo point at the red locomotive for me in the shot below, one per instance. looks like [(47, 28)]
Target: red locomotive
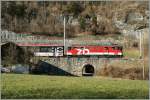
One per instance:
[(113, 50), (58, 50)]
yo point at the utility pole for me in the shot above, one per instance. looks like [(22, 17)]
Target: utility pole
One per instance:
[(141, 54), (143, 69), (140, 45), (64, 33), (142, 36)]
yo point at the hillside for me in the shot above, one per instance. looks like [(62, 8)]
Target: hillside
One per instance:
[(90, 17)]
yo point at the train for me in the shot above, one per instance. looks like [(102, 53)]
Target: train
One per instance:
[(95, 50), (77, 50)]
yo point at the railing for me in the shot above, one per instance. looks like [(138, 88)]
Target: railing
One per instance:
[(13, 37)]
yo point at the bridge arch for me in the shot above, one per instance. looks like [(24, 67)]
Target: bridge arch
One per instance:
[(88, 70)]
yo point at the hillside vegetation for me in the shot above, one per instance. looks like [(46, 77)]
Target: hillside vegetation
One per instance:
[(96, 17)]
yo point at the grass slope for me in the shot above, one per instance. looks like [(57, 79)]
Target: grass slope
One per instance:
[(41, 86), (132, 53)]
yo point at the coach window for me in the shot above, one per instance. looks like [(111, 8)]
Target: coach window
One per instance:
[(50, 49), (43, 49)]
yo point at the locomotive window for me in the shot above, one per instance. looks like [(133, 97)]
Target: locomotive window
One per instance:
[(82, 48), (106, 48), (117, 48), (74, 47), (43, 49), (69, 48), (120, 48), (113, 48)]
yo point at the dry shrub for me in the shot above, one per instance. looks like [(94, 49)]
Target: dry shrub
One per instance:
[(128, 73)]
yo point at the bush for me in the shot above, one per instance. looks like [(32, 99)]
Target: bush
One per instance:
[(74, 8), (82, 23), (60, 34), (128, 73), (13, 54)]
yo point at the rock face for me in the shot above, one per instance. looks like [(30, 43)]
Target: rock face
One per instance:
[(133, 24), (135, 17), (74, 22), (135, 33)]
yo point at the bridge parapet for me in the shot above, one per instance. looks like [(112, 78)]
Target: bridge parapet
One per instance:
[(75, 65), (8, 36)]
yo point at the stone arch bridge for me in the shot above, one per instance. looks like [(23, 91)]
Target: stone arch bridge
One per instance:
[(78, 66), (82, 66)]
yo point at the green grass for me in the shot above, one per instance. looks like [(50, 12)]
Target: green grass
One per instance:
[(132, 53), (45, 87)]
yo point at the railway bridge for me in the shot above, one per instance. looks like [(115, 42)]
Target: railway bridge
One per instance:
[(79, 66), (82, 66)]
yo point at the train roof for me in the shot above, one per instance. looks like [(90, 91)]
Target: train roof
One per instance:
[(97, 46), (37, 44)]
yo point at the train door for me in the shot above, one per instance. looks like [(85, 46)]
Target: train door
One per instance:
[(120, 52), (114, 51)]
